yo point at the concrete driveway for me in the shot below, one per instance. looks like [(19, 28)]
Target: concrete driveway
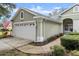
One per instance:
[(11, 43)]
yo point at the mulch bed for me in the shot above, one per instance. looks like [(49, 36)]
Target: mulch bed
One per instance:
[(47, 41)]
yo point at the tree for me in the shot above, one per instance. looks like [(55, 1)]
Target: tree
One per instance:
[(1, 24), (56, 12), (6, 8)]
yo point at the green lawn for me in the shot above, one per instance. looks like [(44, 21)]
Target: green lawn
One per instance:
[(0, 33)]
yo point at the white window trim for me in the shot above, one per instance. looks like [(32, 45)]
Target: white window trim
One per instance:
[(23, 15)]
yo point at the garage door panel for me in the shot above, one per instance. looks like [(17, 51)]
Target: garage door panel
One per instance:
[(27, 31)]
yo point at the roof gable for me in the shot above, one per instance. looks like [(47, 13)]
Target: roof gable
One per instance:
[(36, 15), (27, 10), (68, 9)]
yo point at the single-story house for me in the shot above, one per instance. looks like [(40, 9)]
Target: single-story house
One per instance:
[(34, 26)]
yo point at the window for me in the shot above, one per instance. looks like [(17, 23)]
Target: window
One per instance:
[(22, 15)]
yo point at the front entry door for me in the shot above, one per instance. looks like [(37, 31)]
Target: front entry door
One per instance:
[(67, 25), (68, 28)]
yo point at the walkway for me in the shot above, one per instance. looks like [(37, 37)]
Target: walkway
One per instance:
[(24, 46), (36, 50)]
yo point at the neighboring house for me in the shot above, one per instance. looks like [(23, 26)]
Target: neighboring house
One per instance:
[(70, 19), (33, 26)]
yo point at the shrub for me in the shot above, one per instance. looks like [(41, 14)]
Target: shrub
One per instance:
[(61, 34), (73, 33), (4, 30), (75, 53), (70, 42), (57, 50)]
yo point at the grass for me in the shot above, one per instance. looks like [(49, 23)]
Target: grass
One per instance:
[(13, 52), (0, 33), (3, 35)]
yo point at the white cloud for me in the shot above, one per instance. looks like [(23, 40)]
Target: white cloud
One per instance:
[(57, 8), (41, 10)]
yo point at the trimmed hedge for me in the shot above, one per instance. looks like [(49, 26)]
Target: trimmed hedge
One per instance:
[(57, 50), (70, 42), (73, 33)]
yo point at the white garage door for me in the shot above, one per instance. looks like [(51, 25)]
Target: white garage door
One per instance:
[(25, 30)]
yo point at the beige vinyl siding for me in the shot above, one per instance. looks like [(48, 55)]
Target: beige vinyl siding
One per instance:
[(72, 11), (69, 12), (71, 16), (27, 16), (61, 26), (51, 29), (75, 25)]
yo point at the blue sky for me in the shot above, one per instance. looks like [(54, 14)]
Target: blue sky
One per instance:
[(44, 5), (43, 8)]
